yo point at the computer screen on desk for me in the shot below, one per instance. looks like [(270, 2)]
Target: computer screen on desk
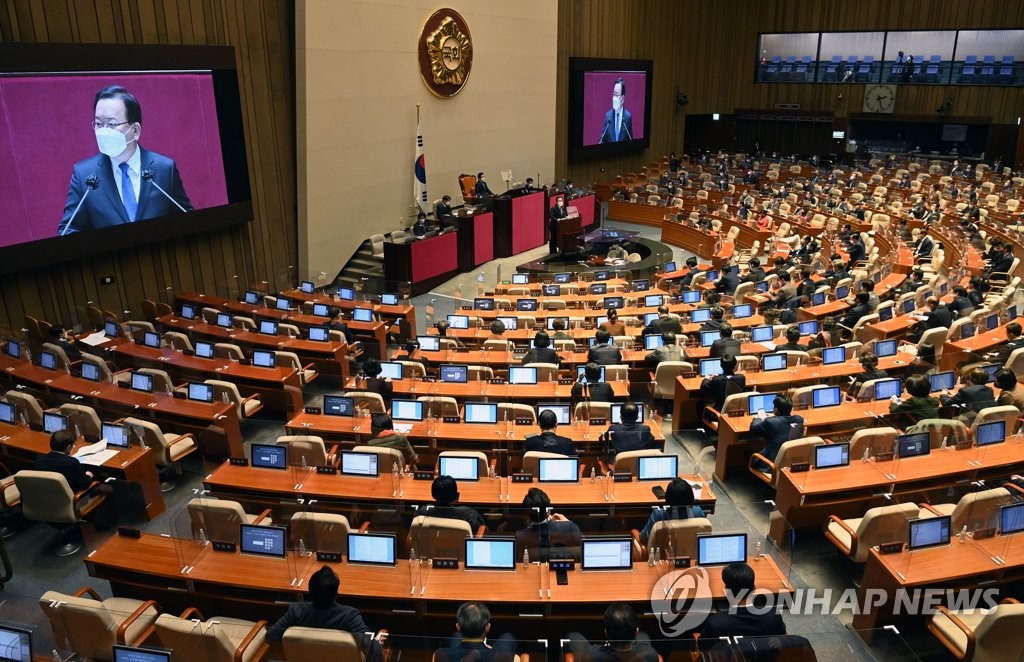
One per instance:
[(941, 381), (653, 341), (617, 412), (523, 279), (759, 401), (54, 422), (742, 311), (8, 413), (321, 310), (346, 293), (142, 382), (362, 314), (268, 327), (967, 330), (12, 348), (598, 288), (691, 296), (602, 275), (270, 456), (913, 445), (654, 300), (552, 320), (1011, 518), (490, 554), (581, 374), (319, 333), (151, 339), (607, 554), (993, 432), (831, 355), (263, 540), (762, 334), (526, 305), (388, 299), (390, 370), (558, 469), (91, 371), (117, 436), (707, 338), (306, 286), (225, 321), (828, 396), (48, 360), (762, 286), (551, 290), (561, 411), (884, 313), (481, 412), (428, 343), (372, 548), (931, 532), (827, 456), (482, 303), (886, 388), (204, 350), (283, 304), (200, 392), (455, 374), (710, 367), (650, 317), (808, 328), (338, 405), (657, 467), (16, 644), (356, 463), (264, 359), (721, 548), (406, 410), (776, 361), (562, 278), (818, 299), (700, 315), (252, 298), (459, 467), (522, 375), (884, 348), (614, 302)]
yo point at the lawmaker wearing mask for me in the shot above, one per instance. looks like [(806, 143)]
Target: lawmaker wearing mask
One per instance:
[(122, 184), (618, 122)]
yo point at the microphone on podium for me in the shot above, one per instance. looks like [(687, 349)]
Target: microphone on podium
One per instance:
[(91, 182), (148, 176)]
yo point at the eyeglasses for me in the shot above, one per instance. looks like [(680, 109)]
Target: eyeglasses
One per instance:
[(96, 124)]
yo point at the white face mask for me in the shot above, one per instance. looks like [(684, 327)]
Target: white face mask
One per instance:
[(111, 141), (616, 103)]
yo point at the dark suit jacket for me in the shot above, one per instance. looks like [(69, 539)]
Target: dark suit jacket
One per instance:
[(67, 466), (549, 442), (604, 355), (974, 397), (857, 312), (464, 513), (742, 623), (608, 130), (633, 437), (334, 617), (660, 325), (73, 353), (939, 317), (755, 275), (482, 188), (103, 208), (857, 252), (1001, 264), (728, 283), (960, 303), (865, 376), (419, 229), (719, 386), (564, 540), (558, 213), (725, 346), (542, 355), (924, 247), (475, 651), (600, 392), (775, 430), (1004, 352)]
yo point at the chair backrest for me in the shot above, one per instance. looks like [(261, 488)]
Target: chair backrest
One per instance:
[(1008, 413), (614, 373), (387, 457), (736, 402), (413, 369), (152, 436), (320, 532), (218, 518), (226, 350), (101, 365), (481, 457), (304, 643), (979, 510), (939, 429), (881, 525), (531, 460), (193, 640), (80, 623), (629, 461), (997, 637), (498, 345), (83, 417), (439, 405), (229, 391), (480, 372), (161, 380), (665, 377), (368, 400), (546, 372), (439, 537), (681, 532), (46, 497), (794, 451), (873, 440), (304, 447), (588, 410), (178, 340), (516, 410), (27, 405)]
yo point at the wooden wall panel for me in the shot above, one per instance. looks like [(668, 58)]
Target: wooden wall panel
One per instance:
[(224, 260), (709, 51)]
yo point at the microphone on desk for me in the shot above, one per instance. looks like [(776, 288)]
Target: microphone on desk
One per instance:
[(148, 175), (626, 129), (604, 131), (91, 182)]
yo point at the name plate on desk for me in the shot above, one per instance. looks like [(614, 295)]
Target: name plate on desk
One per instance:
[(328, 557), (579, 350), (884, 457), (964, 445), (326, 469), (566, 565), (316, 411), (179, 395), (565, 382), (599, 421), (446, 564), (799, 467), (224, 547), (423, 475), (239, 461), (890, 548), (129, 532), (624, 477), (981, 534), (450, 419), (681, 562), (495, 380), (522, 478), (523, 421)]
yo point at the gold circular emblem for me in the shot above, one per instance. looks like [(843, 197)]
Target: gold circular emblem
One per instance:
[(445, 53)]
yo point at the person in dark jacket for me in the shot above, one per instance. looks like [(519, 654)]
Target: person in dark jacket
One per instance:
[(541, 351), (594, 389), (59, 460), (938, 315), (604, 352), (629, 435), (792, 343), (741, 620), (973, 397), (920, 404), (547, 534), (624, 642), (473, 624), (778, 428), (961, 304), (446, 493), (718, 387), (869, 362), (726, 344), (679, 504), (547, 441)]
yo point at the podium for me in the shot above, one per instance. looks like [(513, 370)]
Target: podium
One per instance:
[(570, 229)]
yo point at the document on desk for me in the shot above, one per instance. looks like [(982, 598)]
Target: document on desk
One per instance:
[(95, 454), (94, 339), (698, 490), (404, 428)]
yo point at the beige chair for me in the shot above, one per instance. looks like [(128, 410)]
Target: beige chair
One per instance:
[(106, 375), (855, 537), (10, 499), (219, 519), (226, 350), (483, 463), (975, 510), (368, 400), (387, 457), (244, 323), (679, 535), (90, 626), (289, 330), (439, 405), (629, 461), (982, 635), (794, 451), (28, 407), (209, 315), (439, 537), (377, 246), (479, 373), (168, 448), (307, 373), (178, 341), (84, 418), (495, 345), (304, 643), (514, 410), (319, 532), (546, 372), (218, 639), (874, 441), (664, 378), (1008, 413), (867, 389), (308, 450), (161, 380), (412, 370), (948, 430), (47, 497), (228, 392), (584, 411), (63, 362), (616, 373), (531, 461)]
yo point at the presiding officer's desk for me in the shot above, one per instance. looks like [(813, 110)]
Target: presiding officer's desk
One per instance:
[(806, 498), (972, 564), (505, 439), (215, 424), (20, 445), (182, 573), (687, 395), (330, 357), (279, 388), (592, 504)]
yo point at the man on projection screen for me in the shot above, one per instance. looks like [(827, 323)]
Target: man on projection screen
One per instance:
[(618, 122), (122, 184)]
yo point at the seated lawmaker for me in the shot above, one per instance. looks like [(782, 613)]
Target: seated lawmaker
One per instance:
[(777, 429), (469, 644), (1011, 392), (792, 343), (1014, 341), (718, 387), (419, 228), (726, 344), (547, 441), (334, 323), (920, 404), (679, 504), (728, 281), (541, 351), (373, 382), (624, 642), (748, 619), (716, 321), (670, 350), (446, 493), (59, 337), (612, 325), (616, 252), (323, 611), (593, 389), (443, 212), (604, 352), (973, 397), (663, 322), (869, 362), (482, 189), (629, 435), (547, 535)]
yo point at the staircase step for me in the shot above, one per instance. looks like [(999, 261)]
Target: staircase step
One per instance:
[(365, 263)]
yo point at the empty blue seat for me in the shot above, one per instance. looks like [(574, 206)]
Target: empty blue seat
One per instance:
[(967, 73), (1008, 59), (989, 59), (935, 59), (931, 73), (971, 59)]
